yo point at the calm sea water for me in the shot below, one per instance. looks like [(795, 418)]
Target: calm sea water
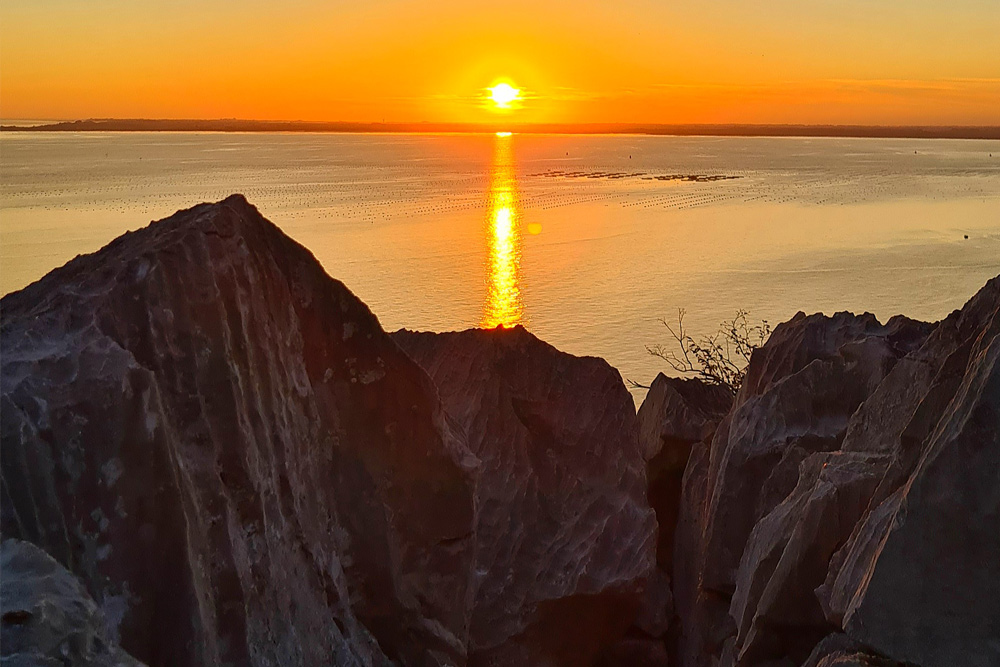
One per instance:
[(585, 240)]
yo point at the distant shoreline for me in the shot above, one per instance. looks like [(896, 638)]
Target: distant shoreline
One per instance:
[(718, 130)]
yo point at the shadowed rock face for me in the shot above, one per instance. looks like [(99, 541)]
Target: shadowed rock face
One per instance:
[(852, 489), (676, 414), (920, 578), (839, 650), (223, 444), (799, 393), (48, 617), (565, 536), (676, 421)]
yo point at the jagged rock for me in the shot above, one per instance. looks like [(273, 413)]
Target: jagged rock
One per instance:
[(800, 392), (227, 449), (680, 410), (899, 419), (47, 616), (703, 614), (888, 540), (930, 556), (675, 420), (676, 414), (566, 539), (789, 551), (242, 468)]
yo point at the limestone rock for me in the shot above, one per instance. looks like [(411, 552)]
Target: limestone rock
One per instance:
[(566, 540), (789, 551), (800, 391), (236, 465), (676, 414), (676, 420), (225, 447), (47, 616), (887, 542), (748, 551), (680, 410), (930, 593)]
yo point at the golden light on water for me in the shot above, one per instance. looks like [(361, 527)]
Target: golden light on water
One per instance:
[(503, 305)]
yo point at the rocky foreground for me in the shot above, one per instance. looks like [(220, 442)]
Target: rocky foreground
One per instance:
[(212, 454)]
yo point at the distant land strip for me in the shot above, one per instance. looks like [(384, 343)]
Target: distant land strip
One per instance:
[(731, 130)]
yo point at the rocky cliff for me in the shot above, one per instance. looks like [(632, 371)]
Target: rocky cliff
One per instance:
[(228, 462), (48, 616), (243, 468), (239, 463), (845, 511), (566, 538)]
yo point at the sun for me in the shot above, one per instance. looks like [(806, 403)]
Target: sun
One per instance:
[(504, 95)]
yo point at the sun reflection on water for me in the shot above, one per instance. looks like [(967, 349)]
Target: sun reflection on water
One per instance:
[(503, 306)]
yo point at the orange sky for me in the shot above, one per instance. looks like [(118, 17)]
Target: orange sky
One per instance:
[(656, 61)]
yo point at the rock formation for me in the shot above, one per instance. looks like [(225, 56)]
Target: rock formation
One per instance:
[(243, 468), (48, 617), (224, 445), (676, 415), (236, 465), (565, 535), (851, 492)]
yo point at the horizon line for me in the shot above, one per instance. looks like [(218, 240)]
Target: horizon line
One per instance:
[(237, 125)]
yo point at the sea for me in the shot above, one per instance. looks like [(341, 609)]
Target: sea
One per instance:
[(588, 241)]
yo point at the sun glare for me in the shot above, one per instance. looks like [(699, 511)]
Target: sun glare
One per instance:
[(503, 95)]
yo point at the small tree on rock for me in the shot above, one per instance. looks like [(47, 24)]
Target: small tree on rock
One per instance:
[(721, 358)]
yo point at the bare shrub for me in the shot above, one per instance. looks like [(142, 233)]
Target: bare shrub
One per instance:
[(720, 358)]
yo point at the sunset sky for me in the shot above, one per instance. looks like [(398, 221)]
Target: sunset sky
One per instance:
[(784, 61)]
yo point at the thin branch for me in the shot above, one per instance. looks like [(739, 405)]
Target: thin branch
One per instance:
[(720, 359), (632, 384)]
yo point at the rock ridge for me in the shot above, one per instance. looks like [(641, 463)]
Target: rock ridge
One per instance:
[(212, 454), (226, 448), (845, 495), (201, 424)]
